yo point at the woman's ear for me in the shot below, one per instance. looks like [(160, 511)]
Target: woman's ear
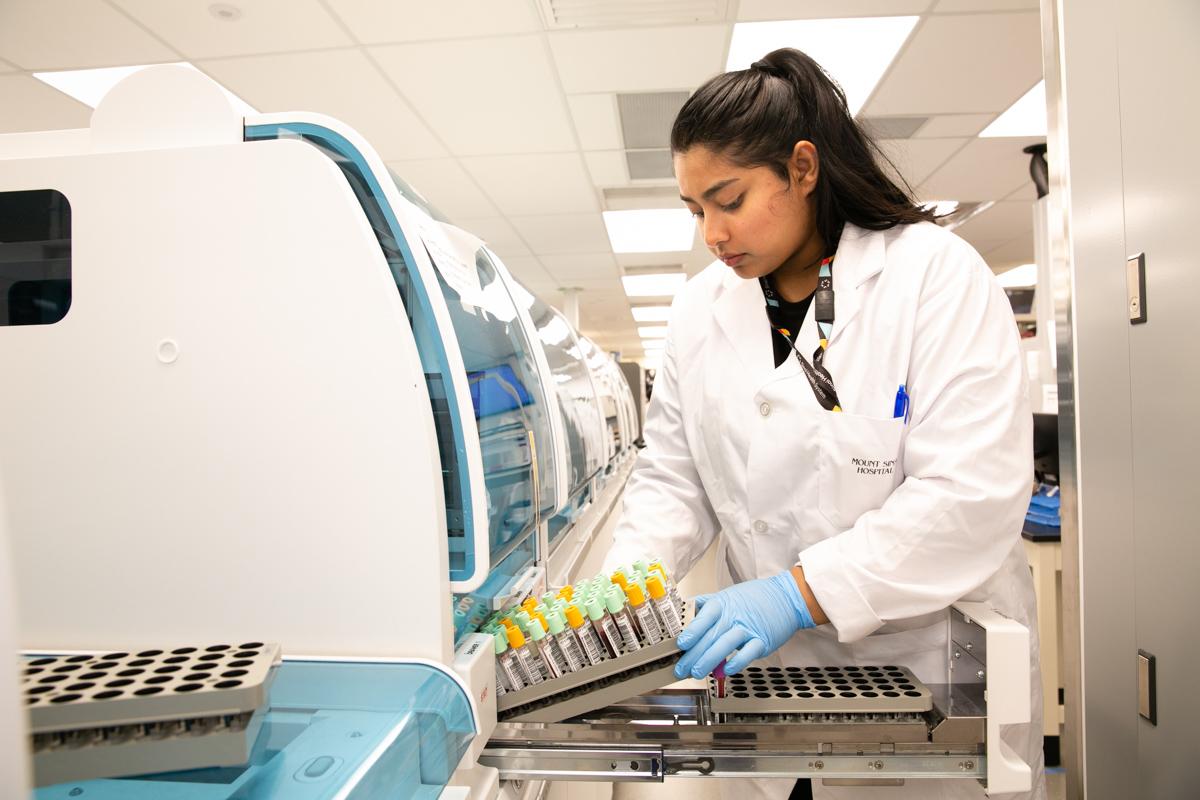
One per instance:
[(805, 166)]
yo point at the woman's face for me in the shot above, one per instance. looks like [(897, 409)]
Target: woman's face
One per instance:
[(751, 218)]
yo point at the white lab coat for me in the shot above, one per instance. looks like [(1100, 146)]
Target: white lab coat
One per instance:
[(892, 522)]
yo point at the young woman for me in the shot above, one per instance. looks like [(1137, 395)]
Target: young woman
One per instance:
[(841, 403)]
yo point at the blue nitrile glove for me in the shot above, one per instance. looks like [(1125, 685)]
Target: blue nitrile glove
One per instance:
[(754, 618)]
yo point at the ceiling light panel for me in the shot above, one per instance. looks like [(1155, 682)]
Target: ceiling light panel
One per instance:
[(73, 34), (483, 96), (650, 230), (661, 285), (652, 331), (633, 60), (855, 52), (200, 29), (651, 313), (1023, 275), (89, 86), (1026, 117), (294, 81), (974, 63)]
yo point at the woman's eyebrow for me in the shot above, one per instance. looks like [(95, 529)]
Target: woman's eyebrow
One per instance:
[(708, 193)]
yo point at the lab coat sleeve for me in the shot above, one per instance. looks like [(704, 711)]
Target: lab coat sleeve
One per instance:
[(666, 512), (967, 457)]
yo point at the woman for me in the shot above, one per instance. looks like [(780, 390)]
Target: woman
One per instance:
[(842, 400)]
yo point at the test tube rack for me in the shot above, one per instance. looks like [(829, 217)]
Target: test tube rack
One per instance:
[(593, 687), (821, 690), (97, 715)]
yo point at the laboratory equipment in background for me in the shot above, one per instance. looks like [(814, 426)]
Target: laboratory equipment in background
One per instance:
[(258, 389), (637, 384)]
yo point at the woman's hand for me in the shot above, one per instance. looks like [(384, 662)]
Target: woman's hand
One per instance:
[(755, 618)]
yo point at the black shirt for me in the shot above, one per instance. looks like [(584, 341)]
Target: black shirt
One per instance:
[(789, 316)]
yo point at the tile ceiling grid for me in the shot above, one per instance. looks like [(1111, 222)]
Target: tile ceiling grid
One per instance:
[(535, 275), (987, 169)]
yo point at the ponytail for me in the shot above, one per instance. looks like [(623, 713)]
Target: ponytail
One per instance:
[(755, 116)]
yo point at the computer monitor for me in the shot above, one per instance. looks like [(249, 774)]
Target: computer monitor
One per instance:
[(1021, 299)]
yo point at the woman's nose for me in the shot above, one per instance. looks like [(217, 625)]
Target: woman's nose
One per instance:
[(714, 234)]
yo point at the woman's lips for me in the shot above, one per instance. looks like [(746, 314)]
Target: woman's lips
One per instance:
[(733, 260)]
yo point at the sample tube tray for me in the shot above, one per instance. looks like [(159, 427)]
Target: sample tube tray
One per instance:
[(95, 715), (822, 690), (593, 687)]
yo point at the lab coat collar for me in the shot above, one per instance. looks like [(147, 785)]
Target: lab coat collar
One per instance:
[(740, 309)]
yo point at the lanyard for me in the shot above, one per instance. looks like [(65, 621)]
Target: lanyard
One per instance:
[(818, 377)]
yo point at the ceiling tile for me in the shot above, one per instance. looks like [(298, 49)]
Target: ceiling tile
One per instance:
[(196, 32), (959, 6), (484, 96), (563, 233), (42, 108), (1010, 254), (761, 10), (372, 21), (447, 186), (916, 159), (982, 63), (952, 125), (74, 34), (7, 67), (498, 234), (360, 96), (528, 270), (596, 121), (595, 266), (985, 169), (607, 168), (650, 59), (1001, 222), (554, 183)]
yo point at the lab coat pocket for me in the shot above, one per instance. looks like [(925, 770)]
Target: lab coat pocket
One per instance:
[(858, 465)]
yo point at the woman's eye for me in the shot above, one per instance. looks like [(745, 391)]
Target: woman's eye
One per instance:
[(697, 214), (733, 206)]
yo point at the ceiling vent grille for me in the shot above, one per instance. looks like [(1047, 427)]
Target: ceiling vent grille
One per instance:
[(646, 118), (566, 14), (893, 127), (649, 165)]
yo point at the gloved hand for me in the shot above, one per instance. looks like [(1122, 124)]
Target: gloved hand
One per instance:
[(754, 618)]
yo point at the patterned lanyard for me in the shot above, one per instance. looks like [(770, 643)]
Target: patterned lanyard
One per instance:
[(818, 377)]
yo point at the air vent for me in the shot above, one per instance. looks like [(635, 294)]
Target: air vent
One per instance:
[(649, 164), (562, 14), (646, 118), (893, 127)]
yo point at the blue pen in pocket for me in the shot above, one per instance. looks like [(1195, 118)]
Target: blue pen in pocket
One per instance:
[(901, 407)]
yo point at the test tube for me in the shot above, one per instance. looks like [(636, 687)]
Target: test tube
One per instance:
[(672, 589), (567, 643), (605, 627), (508, 672), (546, 649), (663, 606), (614, 602), (533, 671), (588, 641), (641, 567), (619, 578), (644, 614)]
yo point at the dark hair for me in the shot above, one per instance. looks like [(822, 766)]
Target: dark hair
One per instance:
[(755, 116)]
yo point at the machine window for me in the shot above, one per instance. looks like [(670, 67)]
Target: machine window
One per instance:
[(35, 257)]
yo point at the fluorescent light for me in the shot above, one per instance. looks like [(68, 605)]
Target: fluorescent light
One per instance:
[(1026, 117), (941, 207), (663, 284), (89, 86), (653, 332), (650, 230), (651, 313), (855, 52), (653, 344), (1024, 275)]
